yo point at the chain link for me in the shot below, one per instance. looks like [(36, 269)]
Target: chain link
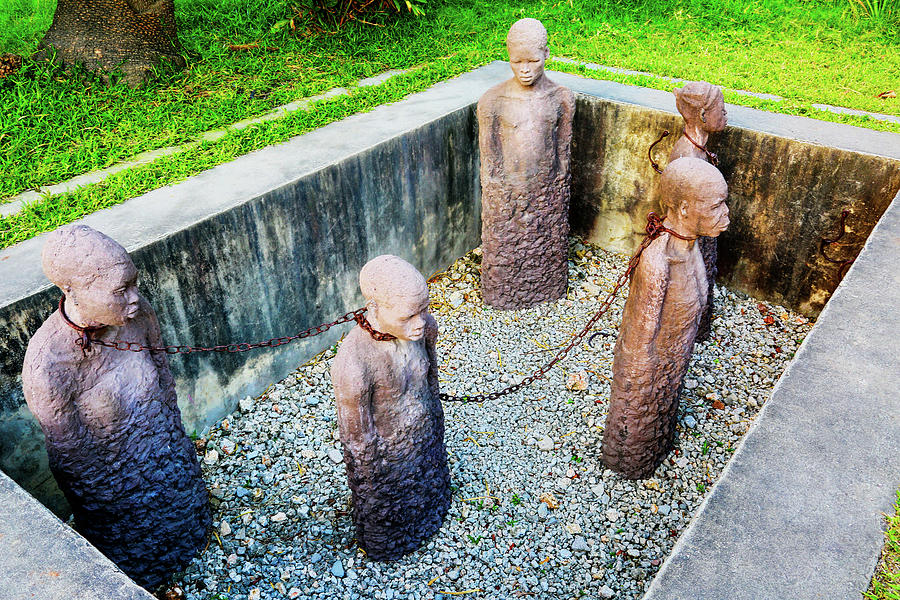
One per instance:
[(86, 340), (653, 230)]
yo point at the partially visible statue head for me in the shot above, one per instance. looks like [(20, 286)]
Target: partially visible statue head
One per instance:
[(702, 104), (692, 196), (94, 272), (527, 46), (396, 296)]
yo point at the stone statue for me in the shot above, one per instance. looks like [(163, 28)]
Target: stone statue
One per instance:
[(525, 136), (666, 298), (389, 413), (115, 440), (703, 108)]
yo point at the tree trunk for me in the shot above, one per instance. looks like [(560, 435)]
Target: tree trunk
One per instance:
[(106, 35)]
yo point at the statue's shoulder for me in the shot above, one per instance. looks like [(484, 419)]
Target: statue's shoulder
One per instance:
[(562, 94), (654, 262), (354, 355), (490, 97), (49, 347)]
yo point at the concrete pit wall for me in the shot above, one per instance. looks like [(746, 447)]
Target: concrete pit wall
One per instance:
[(785, 196), (275, 263), (271, 243)]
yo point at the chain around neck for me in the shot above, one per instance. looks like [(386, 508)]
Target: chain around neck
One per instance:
[(364, 324), (86, 332), (713, 158)]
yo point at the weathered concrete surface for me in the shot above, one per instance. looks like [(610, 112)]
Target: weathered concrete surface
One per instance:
[(265, 246), (43, 558), (787, 188), (797, 512)]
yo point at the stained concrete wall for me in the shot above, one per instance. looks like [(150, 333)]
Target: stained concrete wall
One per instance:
[(785, 194)]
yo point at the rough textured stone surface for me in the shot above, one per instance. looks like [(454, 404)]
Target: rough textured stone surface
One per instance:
[(41, 557), (390, 417), (525, 133), (798, 510), (115, 440), (702, 106), (665, 302)]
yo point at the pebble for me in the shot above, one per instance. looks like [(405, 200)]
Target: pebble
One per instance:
[(227, 446), (505, 455), (337, 569), (336, 455), (579, 544), (211, 457)]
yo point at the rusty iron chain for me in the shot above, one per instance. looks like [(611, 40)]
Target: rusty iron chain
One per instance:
[(712, 156), (86, 340), (653, 163), (653, 230)]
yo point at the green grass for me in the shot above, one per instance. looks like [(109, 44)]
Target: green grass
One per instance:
[(886, 582), (54, 127)]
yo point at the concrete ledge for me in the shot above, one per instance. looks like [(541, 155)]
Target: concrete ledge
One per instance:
[(44, 559), (797, 513)]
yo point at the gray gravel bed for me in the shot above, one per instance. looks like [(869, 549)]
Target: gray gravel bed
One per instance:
[(534, 512)]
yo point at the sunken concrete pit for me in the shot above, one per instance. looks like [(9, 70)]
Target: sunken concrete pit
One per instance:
[(271, 243)]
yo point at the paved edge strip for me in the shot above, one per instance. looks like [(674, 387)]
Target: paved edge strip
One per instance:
[(797, 512), (44, 558), (826, 107), (16, 203)]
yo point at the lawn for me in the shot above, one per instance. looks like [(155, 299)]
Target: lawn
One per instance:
[(55, 127), (886, 583)]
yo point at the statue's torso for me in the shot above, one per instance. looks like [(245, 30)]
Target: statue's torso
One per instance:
[(519, 134)]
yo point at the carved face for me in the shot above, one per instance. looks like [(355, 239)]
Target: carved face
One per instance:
[(708, 215), (716, 116), (404, 317), (527, 61), (109, 300)]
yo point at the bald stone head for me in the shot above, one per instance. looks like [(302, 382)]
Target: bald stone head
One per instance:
[(94, 272), (396, 297), (692, 196), (527, 46), (702, 105)]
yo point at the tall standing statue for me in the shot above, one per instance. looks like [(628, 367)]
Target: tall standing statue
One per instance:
[(703, 107), (389, 413), (525, 137), (115, 440), (666, 298)]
